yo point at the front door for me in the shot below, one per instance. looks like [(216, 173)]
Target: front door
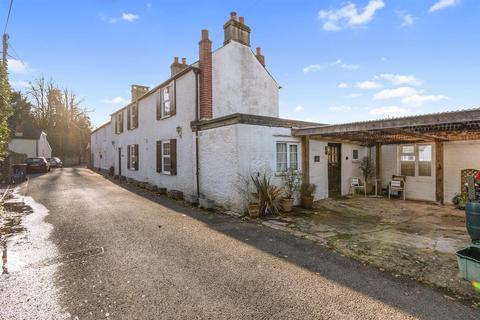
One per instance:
[(334, 170), (119, 161)]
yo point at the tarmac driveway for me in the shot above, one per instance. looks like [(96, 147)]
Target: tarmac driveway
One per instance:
[(124, 255)]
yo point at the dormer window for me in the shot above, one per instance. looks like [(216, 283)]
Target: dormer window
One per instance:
[(166, 101)]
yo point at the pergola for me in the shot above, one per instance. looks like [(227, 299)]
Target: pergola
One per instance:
[(437, 128)]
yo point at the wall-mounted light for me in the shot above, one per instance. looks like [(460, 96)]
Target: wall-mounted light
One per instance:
[(179, 131)]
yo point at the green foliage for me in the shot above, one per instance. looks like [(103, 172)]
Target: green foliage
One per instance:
[(307, 189), (5, 108), (59, 113), (21, 111), (368, 168), (460, 199), (268, 195), (292, 179)]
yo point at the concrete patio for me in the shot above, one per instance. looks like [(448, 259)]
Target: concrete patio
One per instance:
[(405, 238)]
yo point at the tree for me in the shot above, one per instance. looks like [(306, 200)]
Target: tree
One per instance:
[(21, 108), (5, 97), (60, 114)]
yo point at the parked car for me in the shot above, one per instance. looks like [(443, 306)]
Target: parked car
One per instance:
[(39, 164), (55, 162)]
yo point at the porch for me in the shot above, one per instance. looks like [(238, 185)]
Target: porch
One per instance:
[(431, 150), (413, 239)]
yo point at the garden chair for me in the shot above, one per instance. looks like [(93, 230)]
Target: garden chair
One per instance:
[(397, 184), (356, 184)]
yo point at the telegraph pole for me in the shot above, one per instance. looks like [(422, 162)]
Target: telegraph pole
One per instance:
[(4, 50)]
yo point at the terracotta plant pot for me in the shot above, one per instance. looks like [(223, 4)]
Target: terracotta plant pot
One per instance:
[(307, 202), (253, 210), (287, 204)]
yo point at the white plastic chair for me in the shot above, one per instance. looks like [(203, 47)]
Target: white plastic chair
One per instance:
[(355, 184)]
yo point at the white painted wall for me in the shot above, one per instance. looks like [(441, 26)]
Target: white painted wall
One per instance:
[(241, 84), (23, 146), (418, 188), (102, 148), (319, 170), (458, 155), (44, 149), (150, 130), (226, 152), (32, 147)]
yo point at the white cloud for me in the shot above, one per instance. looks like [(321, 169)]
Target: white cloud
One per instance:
[(299, 108), (407, 19), (400, 79), (442, 4), (343, 85), (19, 84), (313, 68), (129, 17), (400, 92), (349, 15), (336, 63), (368, 85), (340, 108), (389, 112), (17, 66), (354, 95), (418, 99), (116, 100)]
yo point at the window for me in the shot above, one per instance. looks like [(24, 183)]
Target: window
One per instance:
[(287, 156), (407, 160), (119, 122), (355, 154), (132, 157), (166, 157), (132, 117), (416, 160), (424, 160), (166, 101)]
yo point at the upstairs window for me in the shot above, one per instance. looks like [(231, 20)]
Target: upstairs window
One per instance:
[(119, 122), (166, 101), (132, 117), (287, 156)]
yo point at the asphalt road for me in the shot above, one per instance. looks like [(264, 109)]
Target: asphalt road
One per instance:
[(162, 260)]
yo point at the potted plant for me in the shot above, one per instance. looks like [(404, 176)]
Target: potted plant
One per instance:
[(245, 189), (111, 171), (368, 170), (292, 180), (268, 195), (460, 199), (306, 194)]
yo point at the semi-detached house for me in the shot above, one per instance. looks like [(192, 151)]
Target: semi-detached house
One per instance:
[(218, 119)]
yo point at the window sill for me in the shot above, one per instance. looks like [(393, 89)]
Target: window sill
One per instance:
[(165, 117)]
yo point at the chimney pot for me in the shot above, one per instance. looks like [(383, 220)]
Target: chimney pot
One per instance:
[(233, 15), (241, 20), (259, 51), (204, 34), (175, 60), (184, 61)]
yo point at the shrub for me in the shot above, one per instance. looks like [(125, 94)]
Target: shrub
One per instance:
[(268, 195), (292, 179), (307, 189)]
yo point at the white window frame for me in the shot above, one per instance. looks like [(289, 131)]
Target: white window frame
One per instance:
[(289, 160), (416, 154), (170, 88), (164, 156), (133, 157)]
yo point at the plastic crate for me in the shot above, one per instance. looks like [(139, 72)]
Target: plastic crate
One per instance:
[(469, 263)]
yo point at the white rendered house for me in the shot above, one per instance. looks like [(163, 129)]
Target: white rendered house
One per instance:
[(30, 141), (218, 118)]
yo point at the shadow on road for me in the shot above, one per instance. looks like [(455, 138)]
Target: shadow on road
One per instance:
[(403, 294)]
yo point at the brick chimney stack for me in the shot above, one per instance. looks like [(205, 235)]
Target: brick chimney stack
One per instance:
[(137, 91), (205, 66), (236, 30), (260, 57)]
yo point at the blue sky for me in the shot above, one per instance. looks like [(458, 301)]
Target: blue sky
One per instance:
[(337, 61)]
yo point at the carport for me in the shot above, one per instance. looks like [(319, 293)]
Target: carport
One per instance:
[(437, 128)]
